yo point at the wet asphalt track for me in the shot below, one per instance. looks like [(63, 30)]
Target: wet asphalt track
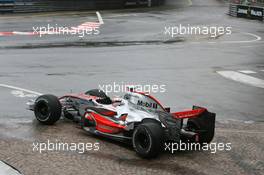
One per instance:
[(187, 66)]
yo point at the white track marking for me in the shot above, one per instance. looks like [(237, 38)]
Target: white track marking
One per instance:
[(100, 19), (262, 70), (82, 26), (249, 122), (247, 71), (7, 169), (246, 79), (23, 33), (257, 38), (20, 89), (21, 94)]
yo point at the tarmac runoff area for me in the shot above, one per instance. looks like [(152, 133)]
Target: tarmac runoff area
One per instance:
[(224, 74)]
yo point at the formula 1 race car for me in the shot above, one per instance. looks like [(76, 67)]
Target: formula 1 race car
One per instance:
[(137, 118)]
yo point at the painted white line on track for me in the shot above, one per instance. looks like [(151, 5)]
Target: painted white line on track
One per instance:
[(246, 79), (74, 29), (24, 33), (100, 19), (262, 70), (7, 169), (247, 72), (22, 94), (20, 89), (257, 38)]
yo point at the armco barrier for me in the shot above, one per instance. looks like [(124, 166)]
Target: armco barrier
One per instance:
[(65, 5), (68, 5), (6, 6), (52, 5), (245, 11)]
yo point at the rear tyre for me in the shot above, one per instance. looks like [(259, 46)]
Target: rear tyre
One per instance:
[(47, 109), (148, 139)]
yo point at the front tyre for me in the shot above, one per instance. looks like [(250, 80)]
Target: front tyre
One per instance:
[(148, 139), (47, 109)]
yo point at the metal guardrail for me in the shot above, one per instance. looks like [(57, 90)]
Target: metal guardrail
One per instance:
[(258, 3), (6, 6), (69, 5), (246, 11), (51, 5), (65, 5)]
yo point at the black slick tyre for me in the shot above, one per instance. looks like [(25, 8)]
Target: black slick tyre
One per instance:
[(47, 109), (148, 139)]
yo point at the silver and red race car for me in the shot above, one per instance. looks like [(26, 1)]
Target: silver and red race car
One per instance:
[(138, 118)]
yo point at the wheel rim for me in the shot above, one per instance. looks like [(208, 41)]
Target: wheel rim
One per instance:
[(142, 140), (42, 110)]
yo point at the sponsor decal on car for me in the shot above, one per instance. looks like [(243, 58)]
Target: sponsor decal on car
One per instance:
[(147, 104)]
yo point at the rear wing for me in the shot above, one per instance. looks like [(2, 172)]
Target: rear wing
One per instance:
[(195, 112)]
